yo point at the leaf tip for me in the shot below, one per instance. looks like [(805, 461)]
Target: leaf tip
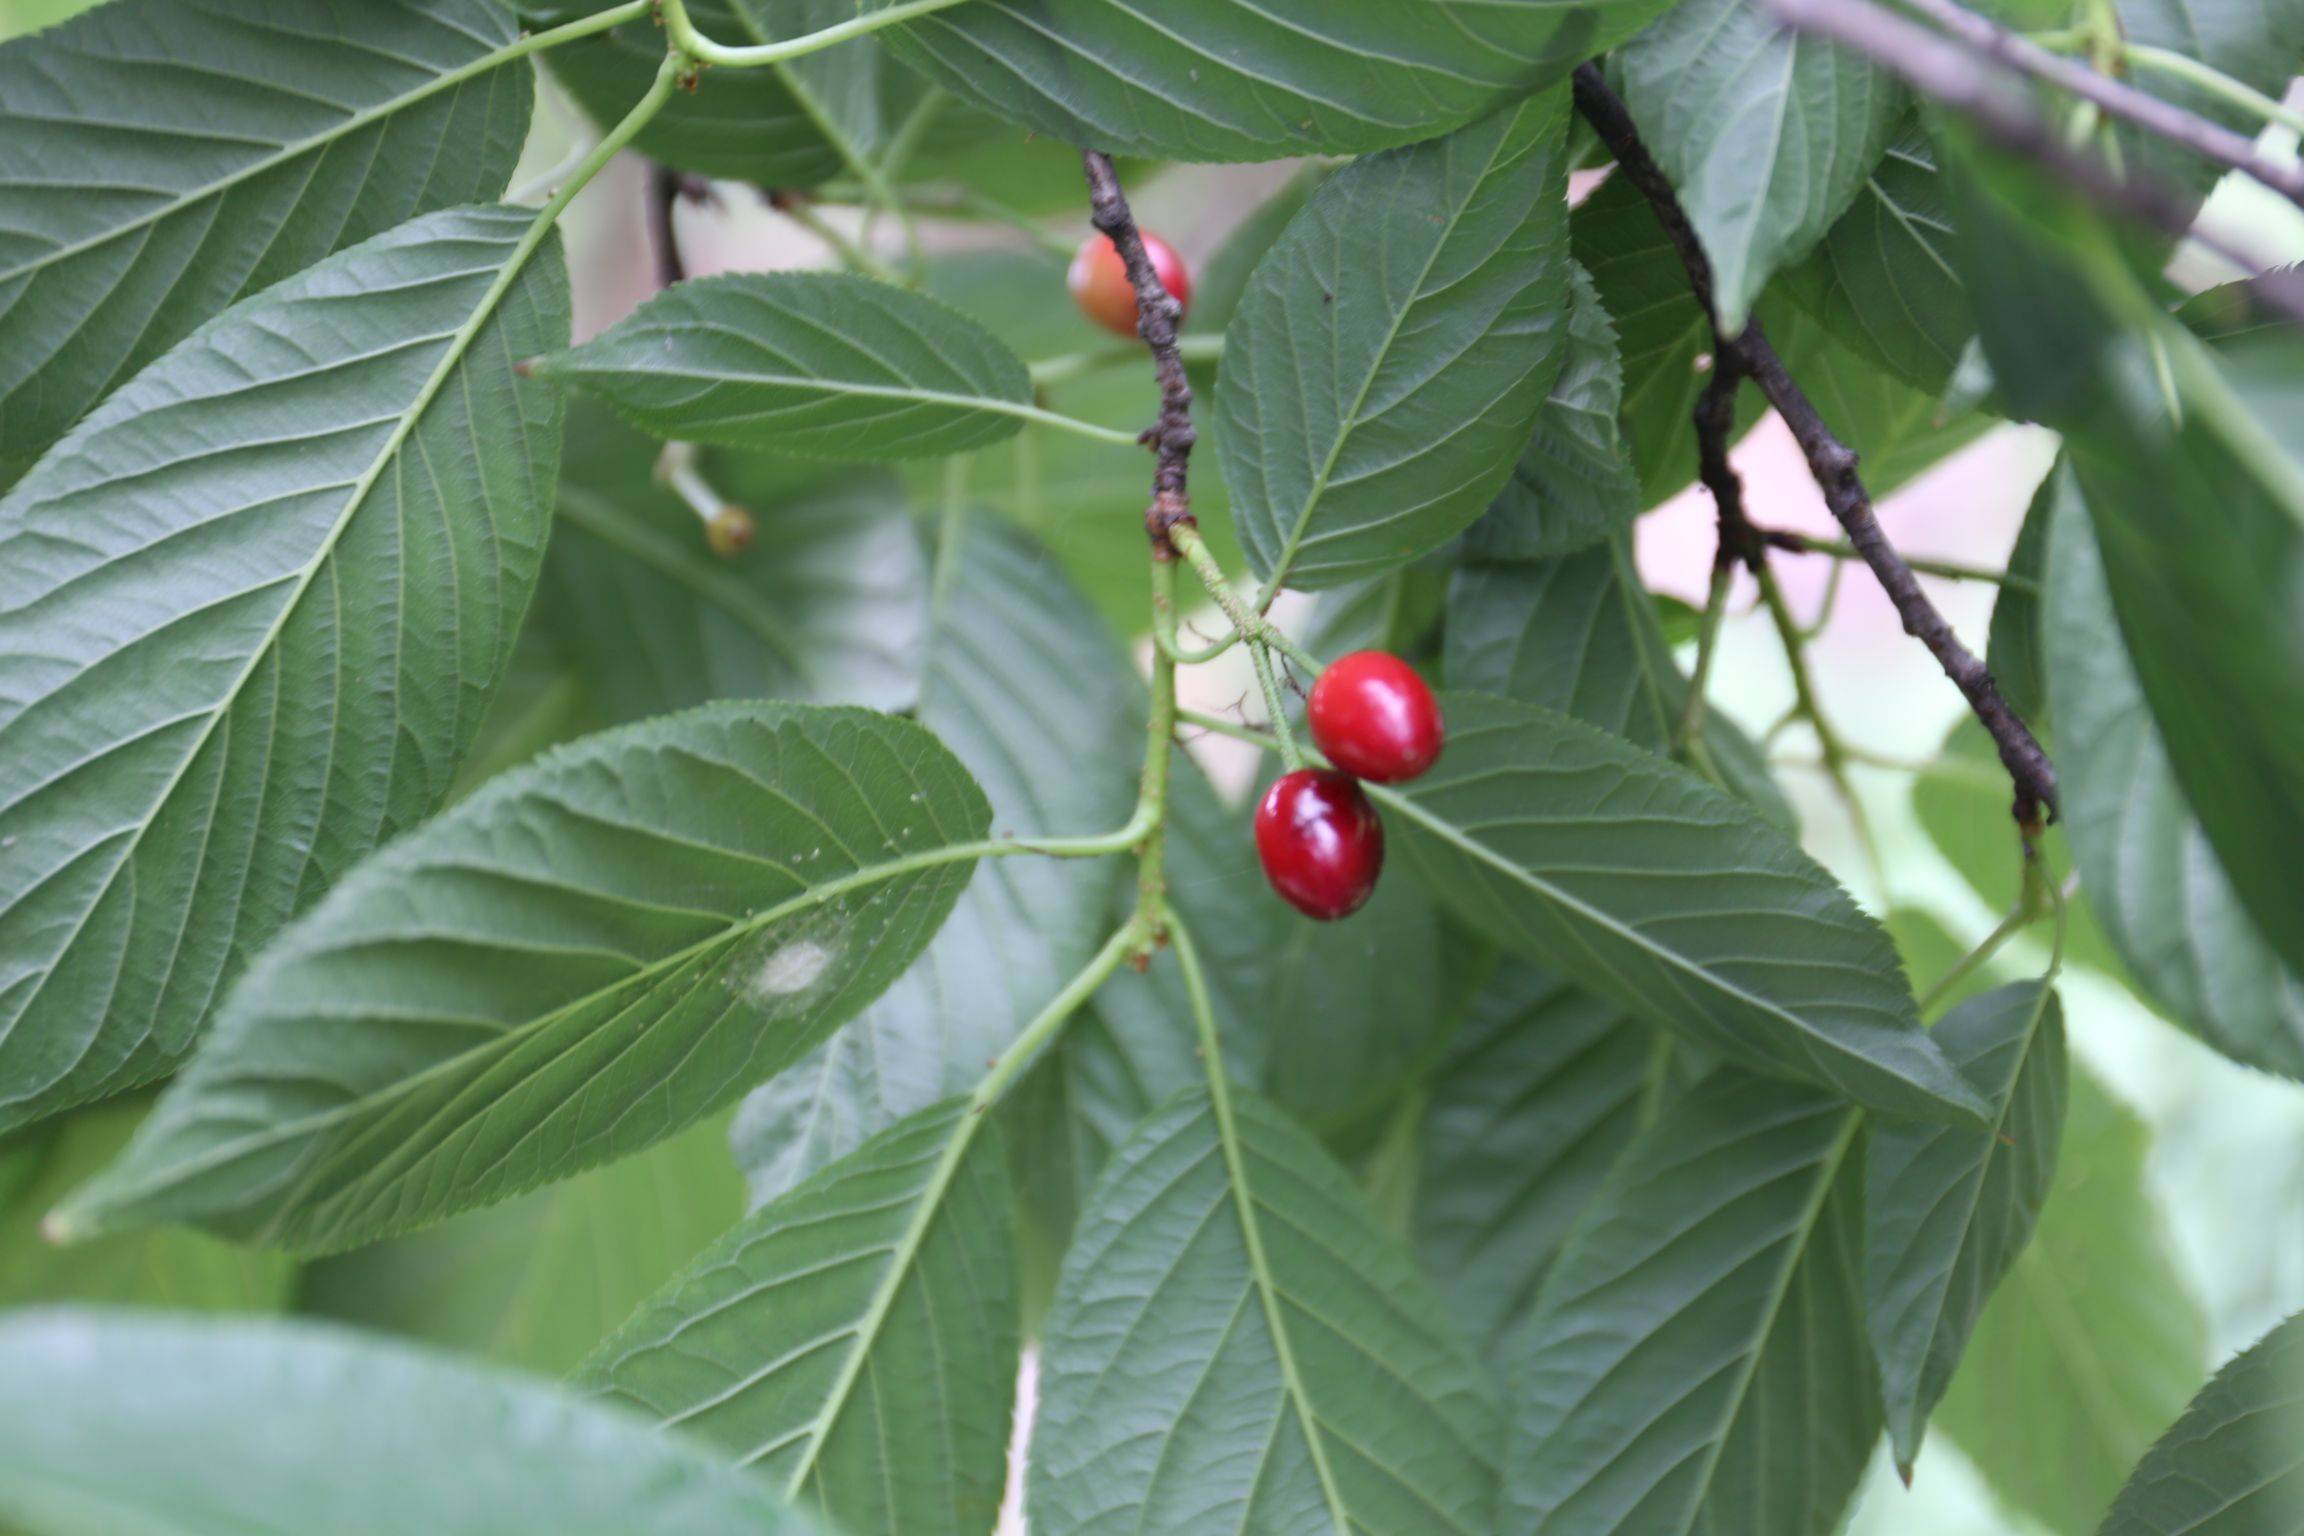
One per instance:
[(1904, 1470)]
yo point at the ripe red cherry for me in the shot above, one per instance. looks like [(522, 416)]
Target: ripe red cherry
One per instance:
[(1100, 286), (1320, 842), (1372, 716)]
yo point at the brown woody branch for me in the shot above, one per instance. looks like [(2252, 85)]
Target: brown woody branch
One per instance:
[(1171, 434), (1715, 420), (1832, 462), (2004, 110), (666, 188)]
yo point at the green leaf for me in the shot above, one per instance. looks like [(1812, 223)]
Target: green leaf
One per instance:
[(1696, 1360), (856, 1339), (160, 160), (1394, 347), (1029, 690), (1581, 635), (1768, 134), (849, 92), (744, 125), (587, 956), (1573, 634), (539, 1281), (828, 606), (1350, 1014), (1236, 1344), (2014, 654), (2193, 474), (1222, 280), (1664, 338), (251, 613), (1636, 879), (1399, 612), (137, 1422), (2228, 696), (2163, 898), (1572, 485), (1947, 1209), (2228, 1467), (2091, 1344), (1885, 281), (1543, 1089), (1254, 79), (812, 364), (185, 1271)]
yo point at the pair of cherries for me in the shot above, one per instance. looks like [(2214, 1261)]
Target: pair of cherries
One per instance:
[(1317, 835), (1319, 838)]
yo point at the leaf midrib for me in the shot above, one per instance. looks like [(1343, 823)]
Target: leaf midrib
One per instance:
[(1349, 421), (900, 1262), (815, 896), (459, 343), (1268, 1289), (1796, 1254), (1543, 888), (1993, 1150), (812, 384)]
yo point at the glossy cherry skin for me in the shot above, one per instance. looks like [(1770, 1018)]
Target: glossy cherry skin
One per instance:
[(1320, 841), (1099, 280), (1372, 716)]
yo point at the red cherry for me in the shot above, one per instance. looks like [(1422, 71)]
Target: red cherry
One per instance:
[(1320, 841), (1372, 716), (1099, 280)]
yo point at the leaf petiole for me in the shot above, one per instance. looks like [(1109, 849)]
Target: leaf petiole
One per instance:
[(681, 31)]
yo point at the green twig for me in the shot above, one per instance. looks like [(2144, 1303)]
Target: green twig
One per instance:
[(1159, 743), (1244, 1205), (681, 31), (1246, 623), (801, 211), (1055, 370), (1238, 730), (1050, 1020), (1951, 570), (1690, 728), (1809, 707)]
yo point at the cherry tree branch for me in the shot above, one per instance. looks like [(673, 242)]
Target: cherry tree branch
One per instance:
[(2211, 141), (1998, 104), (666, 188), (1715, 420), (1171, 434), (1832, 462)]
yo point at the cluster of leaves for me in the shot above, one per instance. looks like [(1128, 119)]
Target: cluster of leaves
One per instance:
[(393, 769)]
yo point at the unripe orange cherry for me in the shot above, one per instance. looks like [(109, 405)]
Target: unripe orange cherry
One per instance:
[(1099, 280)]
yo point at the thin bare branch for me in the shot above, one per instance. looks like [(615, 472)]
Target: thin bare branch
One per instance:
[(1831, 461)]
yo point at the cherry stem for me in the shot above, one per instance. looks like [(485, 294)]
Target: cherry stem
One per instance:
[(1246, 623)]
